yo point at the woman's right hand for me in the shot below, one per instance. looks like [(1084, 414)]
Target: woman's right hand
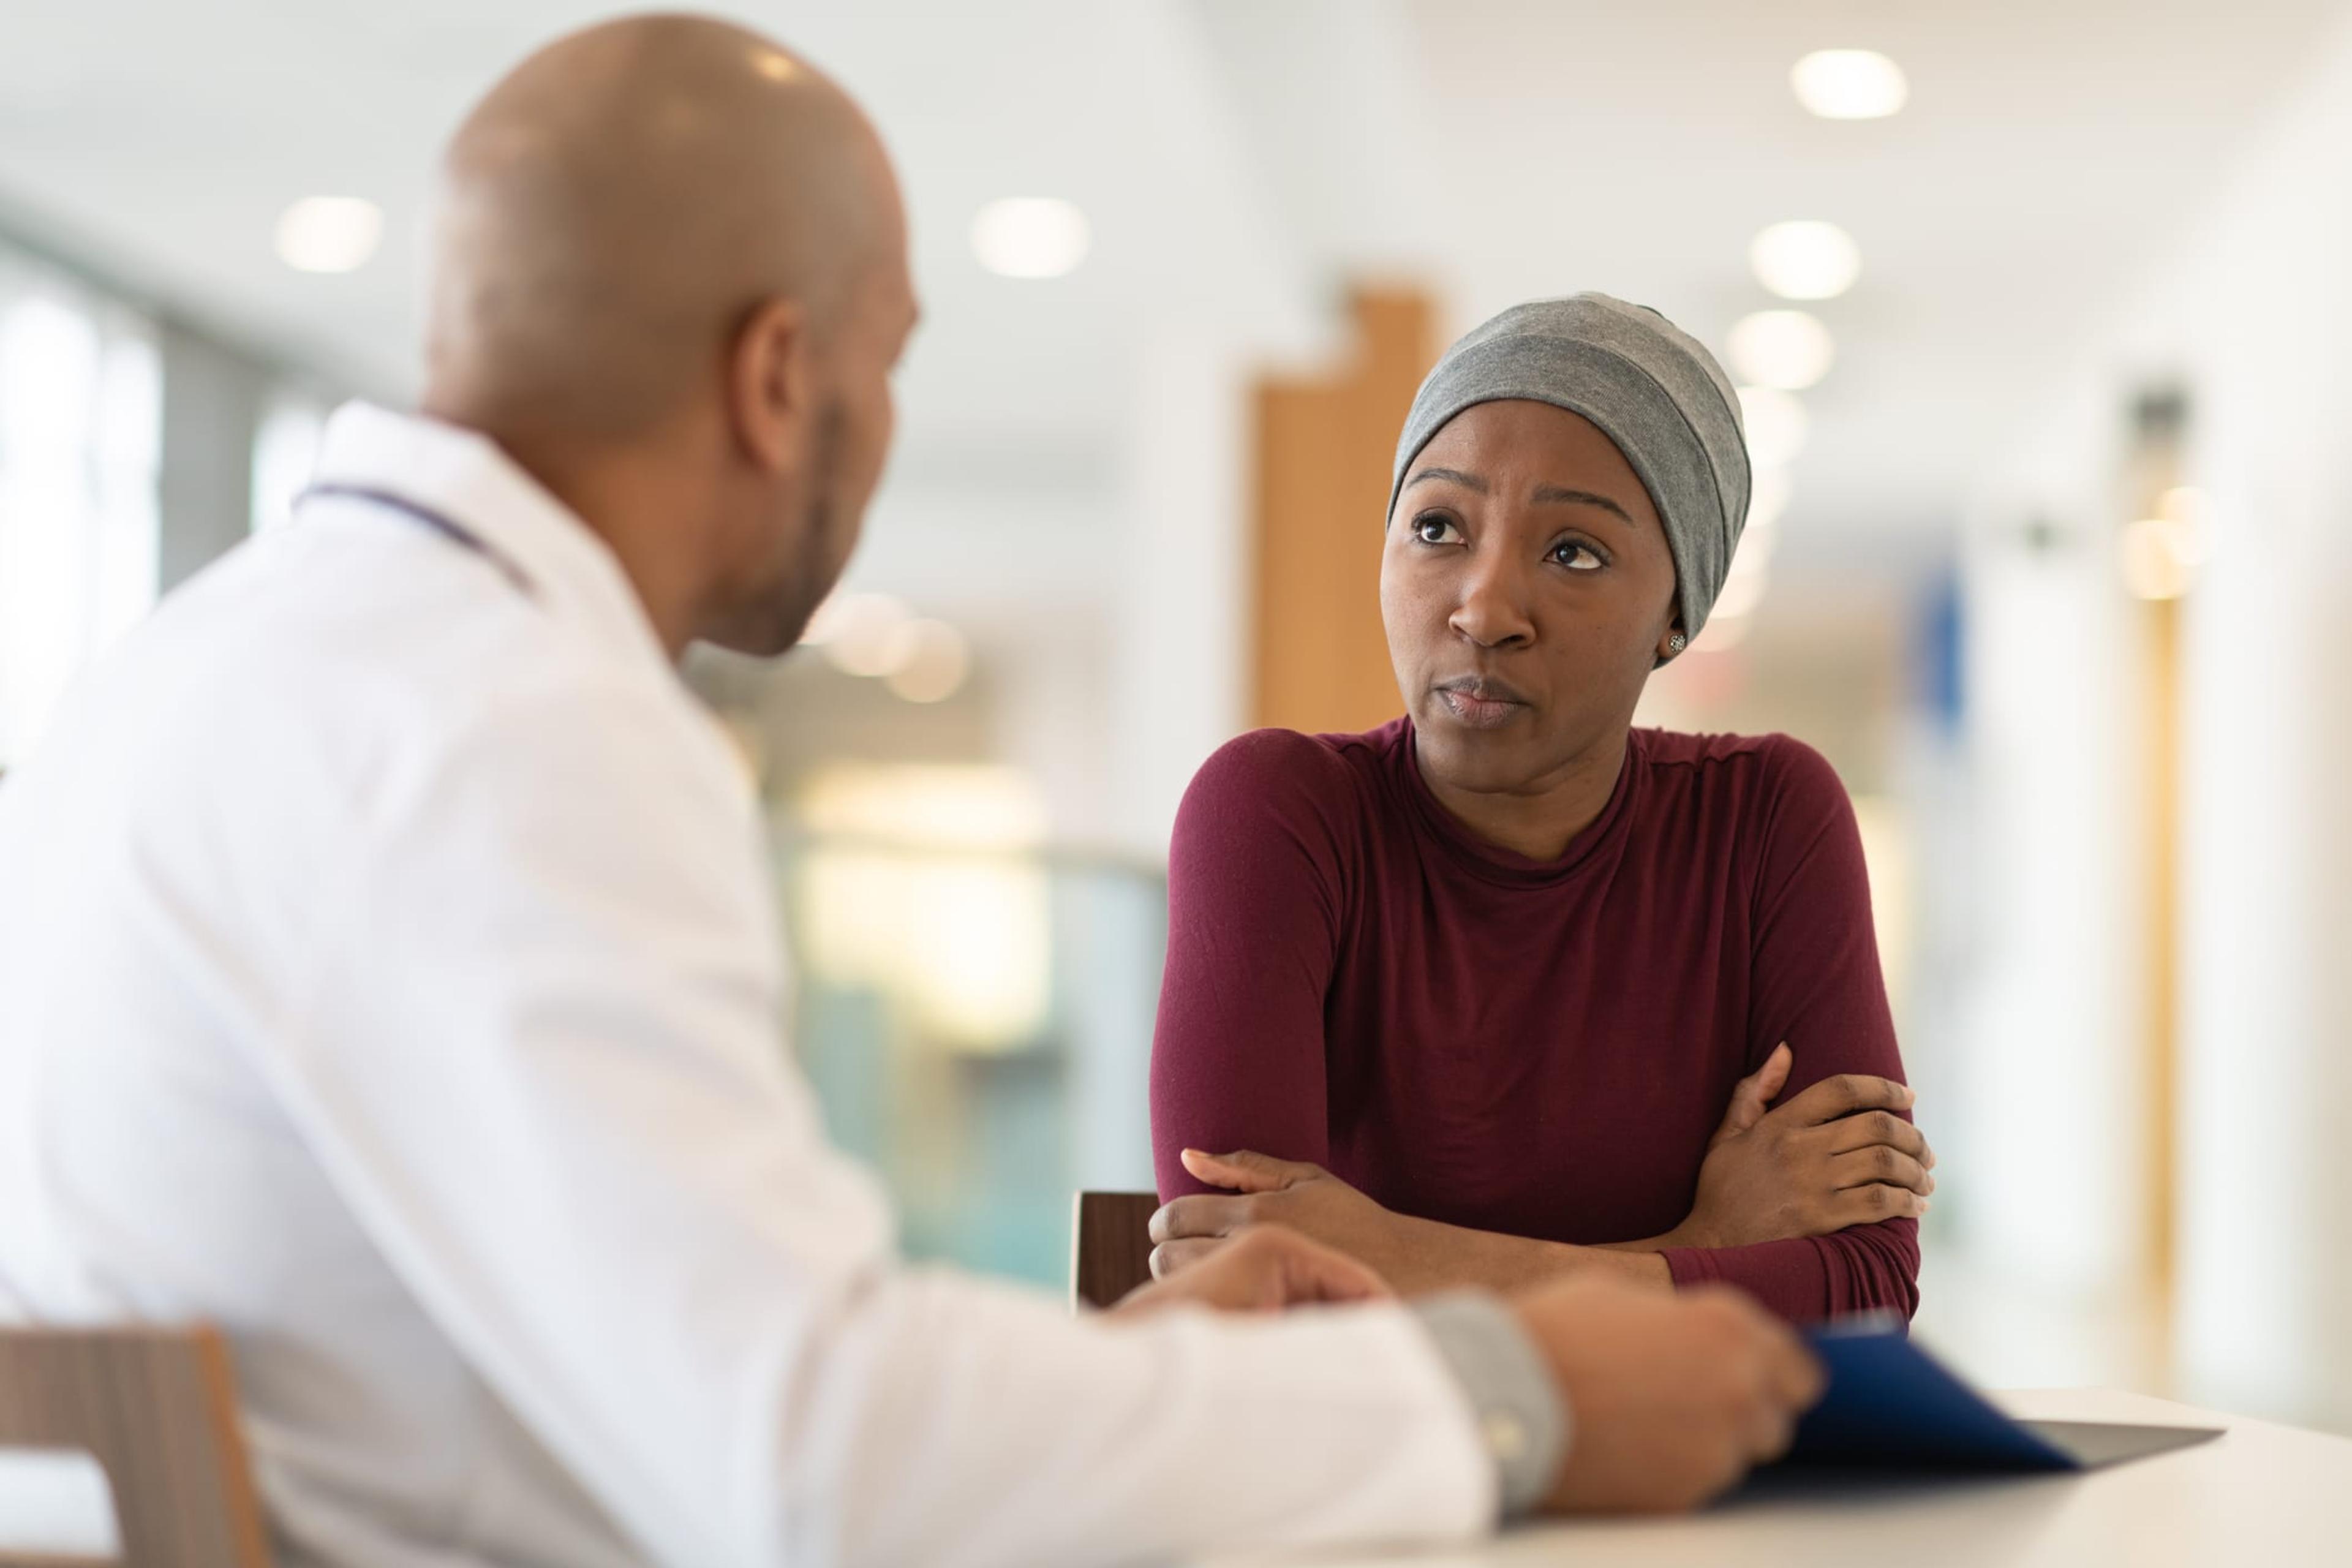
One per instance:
[(1835, 1156)]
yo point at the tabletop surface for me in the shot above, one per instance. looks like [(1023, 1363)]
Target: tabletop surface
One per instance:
[(2263, 1494)]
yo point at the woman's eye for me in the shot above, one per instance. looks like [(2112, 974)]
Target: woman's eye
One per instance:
[(1432, 529), (1576, 557)]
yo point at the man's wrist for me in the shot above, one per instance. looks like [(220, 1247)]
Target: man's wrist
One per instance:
[(1516, 1406)]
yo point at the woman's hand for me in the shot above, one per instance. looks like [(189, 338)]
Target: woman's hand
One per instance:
[(1301, 1197), (1835, 1156), (1263, 1269)]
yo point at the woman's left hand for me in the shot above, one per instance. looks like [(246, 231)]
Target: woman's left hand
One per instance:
[(1833, 1156), (1306, 1198)]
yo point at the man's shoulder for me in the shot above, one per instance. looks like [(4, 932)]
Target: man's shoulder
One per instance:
[(345, 671)]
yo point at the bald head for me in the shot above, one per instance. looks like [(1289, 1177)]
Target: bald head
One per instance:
[(618, 204)]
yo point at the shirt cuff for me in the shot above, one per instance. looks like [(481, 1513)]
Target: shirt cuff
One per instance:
[(1515, 1404)]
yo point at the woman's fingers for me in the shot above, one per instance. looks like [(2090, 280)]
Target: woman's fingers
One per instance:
[(1246, 1170), (1880, 1165), (1846, 1094), (1849, 1133), (1203, 1214), (1870, 1205), (1752, 1094), (1171, 1258)]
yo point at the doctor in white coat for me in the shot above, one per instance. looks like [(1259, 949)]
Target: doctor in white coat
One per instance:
[(387, 975)]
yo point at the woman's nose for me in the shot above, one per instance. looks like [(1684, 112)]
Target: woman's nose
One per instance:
[(1492, 612)]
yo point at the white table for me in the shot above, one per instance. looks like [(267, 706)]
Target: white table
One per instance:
[(2270, 1495)]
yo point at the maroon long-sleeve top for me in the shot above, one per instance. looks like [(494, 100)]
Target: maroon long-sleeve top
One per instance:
[(1541, 1048)]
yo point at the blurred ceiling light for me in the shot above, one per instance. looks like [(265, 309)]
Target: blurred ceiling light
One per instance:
[(824, 623), (329, 234), (1790, 350), (1805, 259), (858, 632), (1767, 499), (1849, 84), (1776, 426), (928, 660), (1030, 237), (2186, 507), (2160, 557)]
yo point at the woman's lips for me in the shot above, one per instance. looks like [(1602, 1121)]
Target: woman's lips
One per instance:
[(1479, 705)]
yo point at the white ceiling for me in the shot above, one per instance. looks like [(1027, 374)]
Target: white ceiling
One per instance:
[(1240, 157), (2049, 149)]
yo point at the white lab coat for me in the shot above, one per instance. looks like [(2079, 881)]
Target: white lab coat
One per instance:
[(388, 973)]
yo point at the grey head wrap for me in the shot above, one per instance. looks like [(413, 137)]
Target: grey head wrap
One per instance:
[(1649, 387)]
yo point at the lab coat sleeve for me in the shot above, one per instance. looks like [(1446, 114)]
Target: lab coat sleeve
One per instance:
[(539, 1057)]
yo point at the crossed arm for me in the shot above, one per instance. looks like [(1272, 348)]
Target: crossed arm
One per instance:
[(1810, 1205), (1833, 1156)]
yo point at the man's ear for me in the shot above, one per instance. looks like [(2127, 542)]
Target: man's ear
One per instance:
[(771, 383)]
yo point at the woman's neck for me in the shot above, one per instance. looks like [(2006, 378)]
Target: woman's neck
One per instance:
[(1542, 817)]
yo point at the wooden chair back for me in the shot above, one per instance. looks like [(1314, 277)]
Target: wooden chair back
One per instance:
[(1111, 1246), (157, 1409)]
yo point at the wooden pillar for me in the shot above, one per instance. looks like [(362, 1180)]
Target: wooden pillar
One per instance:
[(2153, 474), (1323, 448)]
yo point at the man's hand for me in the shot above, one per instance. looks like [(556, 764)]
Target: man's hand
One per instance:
[(1835, 1156), (1671, 1398), (1293, 1194), (1262, 1270)]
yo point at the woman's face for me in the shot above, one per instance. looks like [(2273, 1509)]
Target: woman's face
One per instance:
[(1528, 592)]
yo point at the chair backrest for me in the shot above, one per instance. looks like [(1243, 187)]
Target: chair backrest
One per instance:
[(1111, 1246), (157, 1409)]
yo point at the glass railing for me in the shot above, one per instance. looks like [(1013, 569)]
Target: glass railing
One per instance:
[(977, 1022)]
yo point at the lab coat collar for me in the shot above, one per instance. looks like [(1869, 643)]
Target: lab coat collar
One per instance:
[(464, 477)]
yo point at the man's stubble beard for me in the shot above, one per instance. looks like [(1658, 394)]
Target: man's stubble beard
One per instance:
[(810, 573)]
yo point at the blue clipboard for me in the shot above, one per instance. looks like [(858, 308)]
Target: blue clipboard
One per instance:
[(1891, 1406)]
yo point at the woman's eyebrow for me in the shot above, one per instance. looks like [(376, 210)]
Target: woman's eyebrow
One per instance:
[(1579, 497), (1467, 481)]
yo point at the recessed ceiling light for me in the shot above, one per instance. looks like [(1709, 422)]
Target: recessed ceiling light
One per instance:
[(1849, 84), (1790, 350), (1030, 237), (329, 234), (1776, 426), (1805, 259)]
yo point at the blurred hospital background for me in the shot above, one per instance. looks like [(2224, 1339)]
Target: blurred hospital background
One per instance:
[(2044, 309)]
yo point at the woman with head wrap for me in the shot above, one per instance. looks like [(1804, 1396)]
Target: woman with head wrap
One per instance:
[(1508, 988)]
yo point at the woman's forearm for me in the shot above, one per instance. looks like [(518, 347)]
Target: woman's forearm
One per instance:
[(1414, 1256), (1440, 1256)]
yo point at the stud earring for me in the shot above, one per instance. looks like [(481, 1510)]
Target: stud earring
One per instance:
[(1677, 643)]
